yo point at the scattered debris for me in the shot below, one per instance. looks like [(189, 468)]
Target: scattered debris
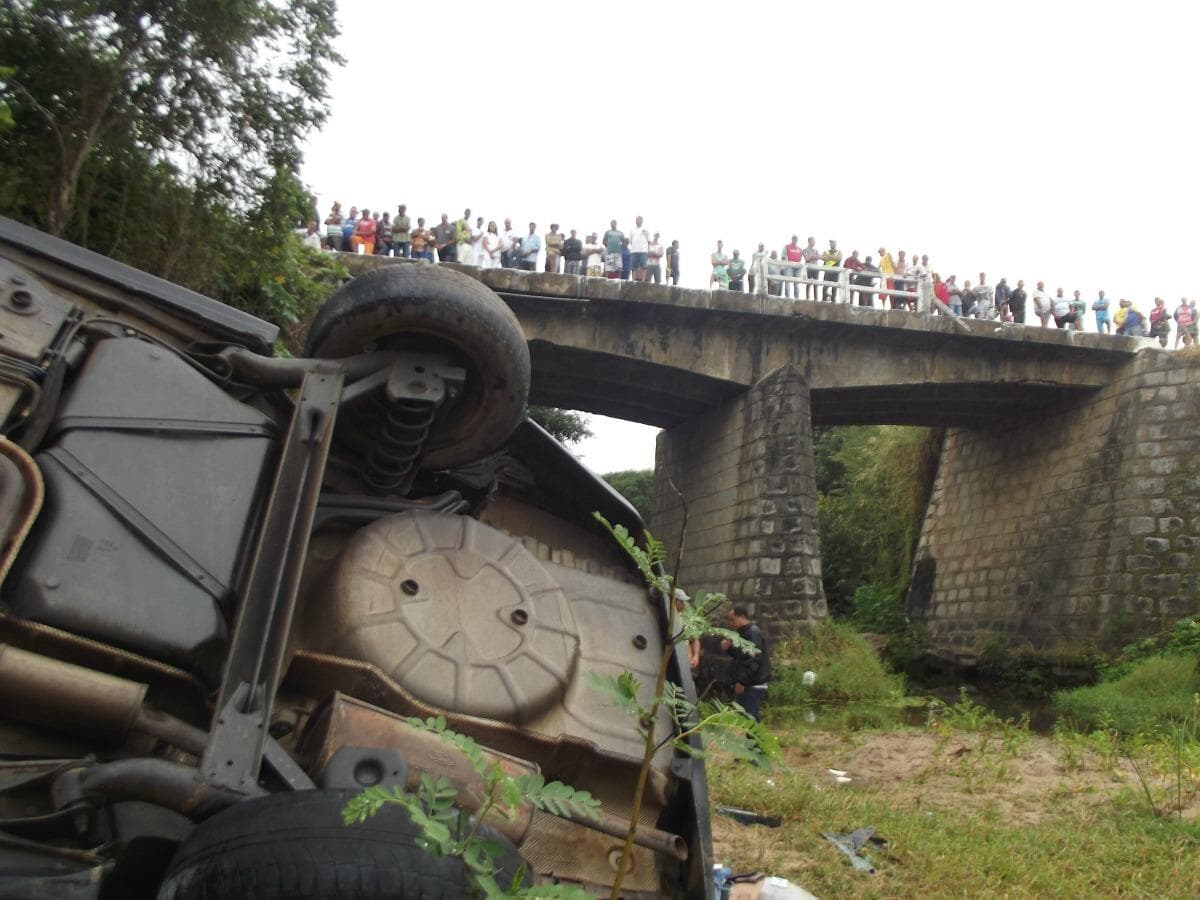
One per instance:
[(746, 817), (852, 844)]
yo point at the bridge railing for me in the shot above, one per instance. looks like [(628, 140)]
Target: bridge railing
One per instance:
[(771, 271)]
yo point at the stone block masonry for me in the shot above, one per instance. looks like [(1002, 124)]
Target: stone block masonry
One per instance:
[(745, 471), (1069, 531)]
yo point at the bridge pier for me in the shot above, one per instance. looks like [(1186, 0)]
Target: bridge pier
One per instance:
[(746, 473), (1073, 531)]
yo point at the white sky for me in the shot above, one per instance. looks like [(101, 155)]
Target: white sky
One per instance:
[(1049, 141)]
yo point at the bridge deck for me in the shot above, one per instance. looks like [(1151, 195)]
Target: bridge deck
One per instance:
[(660, 355)]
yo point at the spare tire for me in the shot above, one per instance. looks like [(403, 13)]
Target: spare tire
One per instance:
[(293, 846), (437, 310)]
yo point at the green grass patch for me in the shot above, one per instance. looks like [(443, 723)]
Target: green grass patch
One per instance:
[(1153, 694), (969, 851), (847, 669)]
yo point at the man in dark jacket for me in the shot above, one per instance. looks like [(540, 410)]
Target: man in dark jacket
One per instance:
[(751, 672), (1016, 303)]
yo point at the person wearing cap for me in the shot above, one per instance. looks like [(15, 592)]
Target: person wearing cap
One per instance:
[(554, 242)]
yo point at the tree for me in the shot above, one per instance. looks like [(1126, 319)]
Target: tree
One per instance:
[(873, 482), (635, 486), (223, 89), (565, 425)]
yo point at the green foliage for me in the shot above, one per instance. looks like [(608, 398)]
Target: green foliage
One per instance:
[(648, 559), (6, 118), (1183, 639), (873, 483), (846, 667), (620, 690), (229, 92), (268, 272), (565, 425), (635, 486), (879, 608), (1153, 694), (447, 830)]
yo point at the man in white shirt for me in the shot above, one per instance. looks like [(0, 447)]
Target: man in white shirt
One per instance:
[(654, 264), (311, 238), (593, 253), (1041, 303), (509, 246), (639, 250), (983, 298)]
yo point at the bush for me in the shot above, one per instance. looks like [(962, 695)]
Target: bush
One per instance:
[(846, 666), (1183, 638), (1152, 695)]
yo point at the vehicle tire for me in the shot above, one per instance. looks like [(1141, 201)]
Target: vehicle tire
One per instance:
[(293, 846), (437, 310)]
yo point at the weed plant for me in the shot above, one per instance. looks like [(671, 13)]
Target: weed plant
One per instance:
[(847, 670)]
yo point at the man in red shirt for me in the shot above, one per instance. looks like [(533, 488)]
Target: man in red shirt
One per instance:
[(793, 253)]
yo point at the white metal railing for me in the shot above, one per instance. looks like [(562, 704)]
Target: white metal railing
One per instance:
[(771, 271)]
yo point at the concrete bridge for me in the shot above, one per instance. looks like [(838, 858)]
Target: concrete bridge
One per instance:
[(1066, 510)]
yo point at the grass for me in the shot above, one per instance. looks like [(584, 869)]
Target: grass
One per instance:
[(974, 805), (959, 852), (1153, 693), (847, 669)]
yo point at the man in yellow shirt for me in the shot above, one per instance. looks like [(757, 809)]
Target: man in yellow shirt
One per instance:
[(887, 267)]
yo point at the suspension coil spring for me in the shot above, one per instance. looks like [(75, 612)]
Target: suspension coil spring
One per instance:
[(393, 461)]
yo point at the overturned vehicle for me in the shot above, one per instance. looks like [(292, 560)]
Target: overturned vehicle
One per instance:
[(229, 578)]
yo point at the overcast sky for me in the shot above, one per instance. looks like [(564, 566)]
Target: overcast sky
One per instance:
[(1049, 141)]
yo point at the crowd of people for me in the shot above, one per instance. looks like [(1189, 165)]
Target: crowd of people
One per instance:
[(639, 256), (892, 281)]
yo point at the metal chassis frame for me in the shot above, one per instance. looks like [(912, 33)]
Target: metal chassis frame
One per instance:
[(238, 738)]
